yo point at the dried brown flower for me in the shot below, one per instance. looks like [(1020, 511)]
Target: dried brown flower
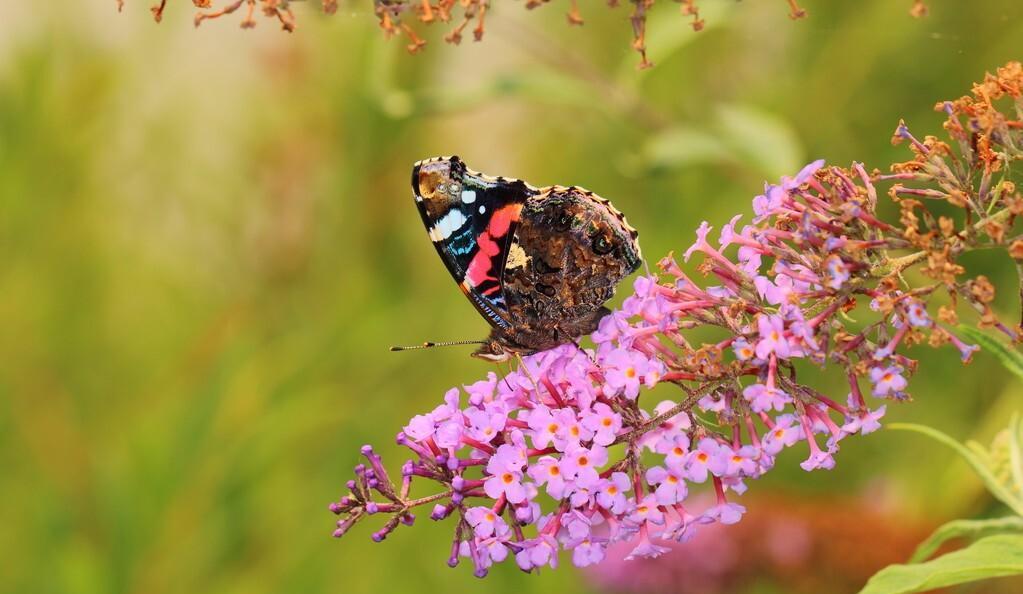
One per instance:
[(391, 14)]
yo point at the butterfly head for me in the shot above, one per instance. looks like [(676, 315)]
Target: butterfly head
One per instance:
[(493, 351), (438, 181)]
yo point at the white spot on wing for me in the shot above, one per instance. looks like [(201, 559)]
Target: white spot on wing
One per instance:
[(468, 196), (447, 225), (483, 209)]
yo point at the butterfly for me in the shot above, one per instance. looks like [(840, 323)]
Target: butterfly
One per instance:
[(538, 263)]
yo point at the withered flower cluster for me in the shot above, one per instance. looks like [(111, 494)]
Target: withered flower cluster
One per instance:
[(273, 9), (568, 454), (394, 14)]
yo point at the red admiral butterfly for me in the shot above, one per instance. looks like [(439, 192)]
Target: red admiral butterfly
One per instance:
[(538, 263)]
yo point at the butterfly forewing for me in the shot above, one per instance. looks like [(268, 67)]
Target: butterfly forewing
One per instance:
[(471, 219)]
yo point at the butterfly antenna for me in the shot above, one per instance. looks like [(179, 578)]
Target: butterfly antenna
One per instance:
[(427, 345)]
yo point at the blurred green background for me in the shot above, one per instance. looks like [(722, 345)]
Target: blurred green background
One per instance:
[(207, 243)]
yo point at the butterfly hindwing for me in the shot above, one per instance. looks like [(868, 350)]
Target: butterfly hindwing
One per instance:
[(471, 219)]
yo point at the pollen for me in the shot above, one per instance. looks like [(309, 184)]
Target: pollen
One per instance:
[(507, 478)]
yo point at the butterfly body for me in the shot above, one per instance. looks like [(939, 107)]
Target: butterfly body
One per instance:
[(538, 263)]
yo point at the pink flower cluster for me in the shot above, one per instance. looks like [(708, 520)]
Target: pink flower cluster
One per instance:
[(561, 455)]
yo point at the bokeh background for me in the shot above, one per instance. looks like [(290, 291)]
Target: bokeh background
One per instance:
[(207, 243)]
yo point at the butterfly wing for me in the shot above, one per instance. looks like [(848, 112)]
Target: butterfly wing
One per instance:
[(471, 219)]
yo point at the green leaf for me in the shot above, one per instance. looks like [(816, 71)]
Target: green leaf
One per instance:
[(989, 557), (1010, 358), (971, 529), (761, 139), (996, 487), (679, 145)]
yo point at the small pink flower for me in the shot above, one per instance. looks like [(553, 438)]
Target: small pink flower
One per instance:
[(675, 454), (624, 371), (785, 433), (888, 381), (603, 423), (547, 471), (485, 522), (588, 552), (726, 513), (420, 427), (765, 399), (647, 511), (580, 464), (611, 494), (505, 470), (741, 462), (671, 485), (537, 552), (772, 337), (544, 428), (485, 426), (709, 457), (701, 241)]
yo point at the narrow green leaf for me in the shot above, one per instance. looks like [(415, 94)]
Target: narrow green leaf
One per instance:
[(1016, 452), (1010, 358), (993, 556), (971, 529), (990, 481)]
